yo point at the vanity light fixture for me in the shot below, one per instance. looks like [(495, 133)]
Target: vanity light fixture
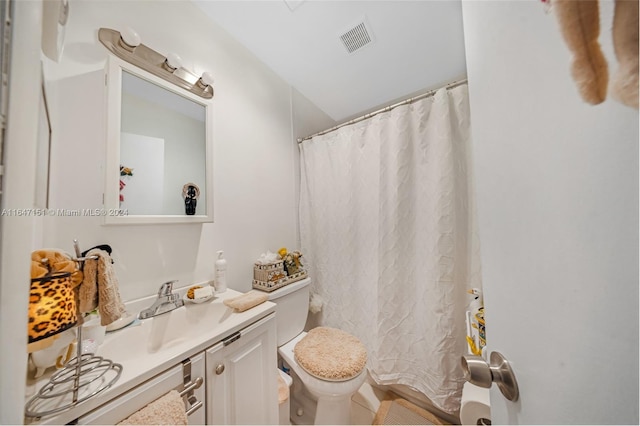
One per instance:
[(127, 46)]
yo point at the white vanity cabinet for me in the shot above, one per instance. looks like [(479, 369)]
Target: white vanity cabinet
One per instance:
[(241, 376)]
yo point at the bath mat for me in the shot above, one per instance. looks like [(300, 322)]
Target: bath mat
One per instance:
[(401, 412)]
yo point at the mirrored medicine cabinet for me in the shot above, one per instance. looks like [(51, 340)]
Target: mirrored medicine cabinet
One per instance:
[(159, 150)]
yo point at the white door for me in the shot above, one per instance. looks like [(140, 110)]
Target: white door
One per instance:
[(557, 195)]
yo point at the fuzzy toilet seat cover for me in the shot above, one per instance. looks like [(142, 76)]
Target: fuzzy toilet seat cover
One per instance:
[(330, 354)]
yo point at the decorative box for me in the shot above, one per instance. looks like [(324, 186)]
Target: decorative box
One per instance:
[(271, 276), (269, 272)]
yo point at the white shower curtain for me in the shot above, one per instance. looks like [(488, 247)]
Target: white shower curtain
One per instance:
[(387, 231)]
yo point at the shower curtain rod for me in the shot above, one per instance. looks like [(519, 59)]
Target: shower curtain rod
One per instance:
[(385, 109)]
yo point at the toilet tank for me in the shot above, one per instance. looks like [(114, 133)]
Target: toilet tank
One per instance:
[(292, 307)]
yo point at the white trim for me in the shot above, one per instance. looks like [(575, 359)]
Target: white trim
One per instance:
[(19, 233)]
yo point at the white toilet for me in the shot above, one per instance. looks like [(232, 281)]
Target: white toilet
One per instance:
[(333, 396)]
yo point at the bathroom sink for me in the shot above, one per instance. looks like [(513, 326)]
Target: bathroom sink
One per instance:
[(180, 326)]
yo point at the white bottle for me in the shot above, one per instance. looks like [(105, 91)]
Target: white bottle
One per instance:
[(221, 274)]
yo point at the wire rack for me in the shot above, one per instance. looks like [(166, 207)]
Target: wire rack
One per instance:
[(83, 377)]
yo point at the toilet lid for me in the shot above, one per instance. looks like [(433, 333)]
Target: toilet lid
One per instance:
[(330, 354)]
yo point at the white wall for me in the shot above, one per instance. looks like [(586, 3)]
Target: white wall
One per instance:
[(254, 190), (307, 119), (557, 191)]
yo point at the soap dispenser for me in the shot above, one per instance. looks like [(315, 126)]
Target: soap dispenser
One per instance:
[(221, 274)]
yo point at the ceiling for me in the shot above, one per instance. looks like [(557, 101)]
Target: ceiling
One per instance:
[(415, 46)]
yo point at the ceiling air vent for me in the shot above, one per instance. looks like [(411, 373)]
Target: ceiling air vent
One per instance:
[(356, 38)]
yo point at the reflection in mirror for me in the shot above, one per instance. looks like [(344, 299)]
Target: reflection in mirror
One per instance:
[(162, 149)]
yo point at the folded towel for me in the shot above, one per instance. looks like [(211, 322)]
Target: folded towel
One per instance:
[(246, 301), (99, 289), (166, 410), (59, 261)]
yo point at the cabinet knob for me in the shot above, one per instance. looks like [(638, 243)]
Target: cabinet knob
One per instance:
[(220, 369)]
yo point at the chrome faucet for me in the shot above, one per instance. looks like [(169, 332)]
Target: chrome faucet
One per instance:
[(167, 301)]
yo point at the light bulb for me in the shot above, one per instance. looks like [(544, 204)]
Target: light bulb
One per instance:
[(173, 61), (130, 37), (207, 78)]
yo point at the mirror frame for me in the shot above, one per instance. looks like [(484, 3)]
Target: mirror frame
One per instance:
[(111, 202)]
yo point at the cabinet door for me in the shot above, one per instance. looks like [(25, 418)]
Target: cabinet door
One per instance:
[(242, 377)]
